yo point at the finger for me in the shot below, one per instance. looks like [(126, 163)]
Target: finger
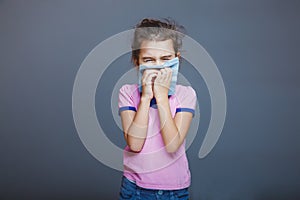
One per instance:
[(164, 75), (169, 74), (144, 77), (159, 76), (150, 78), (148, 71), (147, 74), (162, 72)]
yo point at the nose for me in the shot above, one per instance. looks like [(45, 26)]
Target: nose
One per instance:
[(159, 62)]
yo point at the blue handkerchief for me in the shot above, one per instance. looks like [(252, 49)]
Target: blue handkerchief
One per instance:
[(173, 64)]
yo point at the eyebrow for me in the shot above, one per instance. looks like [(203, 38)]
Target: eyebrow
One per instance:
[(149, 57), (166, 56)]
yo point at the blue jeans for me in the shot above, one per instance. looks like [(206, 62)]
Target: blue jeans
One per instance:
[(131, 191)]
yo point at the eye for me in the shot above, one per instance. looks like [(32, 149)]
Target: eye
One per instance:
[(148, 60), (166, 58)]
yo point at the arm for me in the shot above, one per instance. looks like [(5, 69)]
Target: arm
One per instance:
[(135, 124), (174, 130)]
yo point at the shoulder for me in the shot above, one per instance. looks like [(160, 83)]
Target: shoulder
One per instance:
[(186, 99), (128, 96), (185, 91), (129, 88)]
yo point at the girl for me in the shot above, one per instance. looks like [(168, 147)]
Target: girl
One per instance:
[(155, 118)]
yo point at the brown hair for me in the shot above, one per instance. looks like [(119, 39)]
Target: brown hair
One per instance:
[(156, 30)]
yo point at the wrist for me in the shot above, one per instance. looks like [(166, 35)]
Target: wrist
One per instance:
[(162, 99), (145, 99)]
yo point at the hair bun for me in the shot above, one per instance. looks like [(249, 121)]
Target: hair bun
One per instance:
[(149, 23)]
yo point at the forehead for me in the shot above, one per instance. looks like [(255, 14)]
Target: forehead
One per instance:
[(157, 48)]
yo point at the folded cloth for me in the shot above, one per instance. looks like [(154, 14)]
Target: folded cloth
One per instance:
[(173, 64)]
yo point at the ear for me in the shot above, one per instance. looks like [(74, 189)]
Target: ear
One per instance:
[(135, 62), (178, 55)]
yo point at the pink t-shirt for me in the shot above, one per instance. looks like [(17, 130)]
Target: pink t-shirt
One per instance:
[(154, 167)]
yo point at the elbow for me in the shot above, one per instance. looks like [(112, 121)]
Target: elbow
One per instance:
[(135, 148), (173, 145), (135, 145), (171, 148)]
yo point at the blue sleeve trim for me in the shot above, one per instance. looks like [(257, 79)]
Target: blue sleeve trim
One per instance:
[(127, 108), (186, 110)]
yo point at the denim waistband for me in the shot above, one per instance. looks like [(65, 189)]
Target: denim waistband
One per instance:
[(130, 184)]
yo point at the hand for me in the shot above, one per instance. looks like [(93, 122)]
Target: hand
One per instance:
[(147, 83), (162, 83)]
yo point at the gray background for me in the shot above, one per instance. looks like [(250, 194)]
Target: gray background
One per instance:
[(255, 44)]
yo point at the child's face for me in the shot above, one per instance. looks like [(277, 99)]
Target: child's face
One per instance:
[(156, 52)]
